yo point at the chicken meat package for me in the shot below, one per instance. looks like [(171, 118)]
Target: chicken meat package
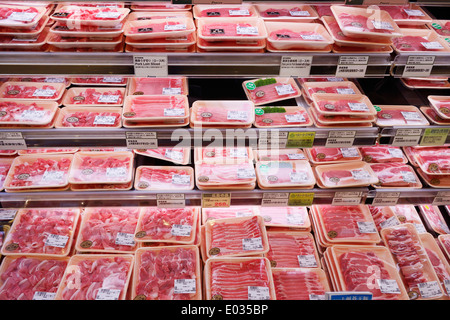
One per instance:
[(238, 278), (102, 167), (20, 17), (368, 269), (175, 155), (42, 232), (300, 283), (209, 214), (383, 216), (219, 29), (27, 112), (229, 11), (31, 278), (96, 277), (409, 214), (343, 175), (279, 154), (434, 219), (280, 117), (343, 104), (234, 237), (283, 174), (286, 12), (410, 15), (383, 154), (158, 28), (297, 36), (294, 218), (164, 178), (223, 154), (212, 175), (267, 90), (89, 117), (108, 230), (5, 165), (94, 97), (343, 87), (395, 175), (239, 113), (370, 24), (420, 40), (159, 86), (99, 81), (35, 91), (167, 225), (167, 273), (323, 155), (433, 161), (440, 104), (417, 271), (292, 249), (87, 16), (156, 108), (39, 171), (344, 225)]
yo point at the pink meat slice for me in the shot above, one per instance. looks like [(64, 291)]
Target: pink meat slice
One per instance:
[(26, 92), (290, 117), (24, 276), (91, 275), (414, 43), (343, 220), (342, 177), (103, 226), (158, 270), (359, 23), (241, 173), (230, 280), (382, 154), (438, 265), (285, 249), (297, 285), (322, 154), (156, 106), (156, 86), (165, 179), (394, 174), (90, 119)]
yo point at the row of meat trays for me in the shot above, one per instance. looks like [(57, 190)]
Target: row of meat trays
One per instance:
[(275, 256)]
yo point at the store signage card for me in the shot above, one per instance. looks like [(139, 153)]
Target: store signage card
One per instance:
[(150, 66)]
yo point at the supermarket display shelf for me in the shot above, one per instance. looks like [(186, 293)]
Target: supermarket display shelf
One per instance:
[(421, 63), (411, 136), (179, 64)]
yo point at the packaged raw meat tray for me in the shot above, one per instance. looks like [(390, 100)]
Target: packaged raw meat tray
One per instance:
[(86, 16), (106, 43), (279, 154), (383, 154), (156, 107), (372, 24), (159, 86), (168, 44), (89, 117), (409, 214), (102, 277), (435, 181), (342, 87), (37, 113), (102, 186), (423, 40), (442, 27), (94, 97), (278, 117), (19, 43), (292, 249), (399, 115), (167, 225), (425, 84), (47, 151), (41, 276), (155, 124), (219, 29), (295, 218), (161, 28), (42, 232), (408, 15), (366, 268), (324, 120), (5, 165), (395, 175), (12, 91), (20, 17), (210, 175), (209, 214), (175, 155), (108, 230), (267, 90), (100, 81), (433, 219), (39, 171), (150, 15), (341, 40), (444, 241), (102, 167), (28, 32), (344, 225), (223, 154), (300, 283), (284, 174), (320, 79), (164, 178), (343, 175), (243, 236), (323, 155), (418, 274), (383, 216), (232, 11), (440, 104), (157, 6), (90, 32), (227, 112), (343, 104), (295, 35), (238, 278), (57, 79), (433, 161), (286, 12), (231, 45), (167, 273)]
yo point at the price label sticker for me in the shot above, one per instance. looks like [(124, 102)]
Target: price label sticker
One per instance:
[(434, 137), (386, 199), (150, 66), (276, 199), (258, 293), (429, 289), (181, 230), (56, 240), (301, 199), (300, 140), (108, 294), (307, 261), (295, 66), (366, 227), (388, 286), (125, 239), (170, 200), (251, 244), (7, 214), (40, 295), (216, 200), (185, 286)]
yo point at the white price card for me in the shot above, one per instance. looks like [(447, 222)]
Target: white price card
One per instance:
[(170, 200), (7, 214), (12, 141), (250, 244), (352, 66), (429, 289), (418, 66), (258, 293), (185, 286), (56, 240), (181, 230), (295, 66), (141, 140), (108, 294), (275, 199), (388, 286), (125, 239), (366, 227), (150, 66), (386, 199), (307, 261), (41, 295)]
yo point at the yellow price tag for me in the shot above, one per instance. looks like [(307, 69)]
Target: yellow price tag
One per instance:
[(434, 137), (301, 199), (300, 139), (216, 200)]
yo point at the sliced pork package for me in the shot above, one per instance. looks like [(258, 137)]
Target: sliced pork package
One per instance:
[(237, 175), (383, 216), (395, 175), (279, 154), (267, 90), (104, 43), (444, 241), (89, 32), (336, 120), (284, 174), (433, 117), (399, 115), (343, 104), (100, 16), (433, 161), (218, 29), (89, 117), (232, 11), (164, 178), (158, 86), (300, 283), (99, 81), (167, 273), (442, 27), (238, 278), (232, 113), (433, 219), (158, 29), (228, 212), (322, 155), (278, 117), (440, 104), (94, 97), (419, 40), (342, 175), (175, 155), (409, 214), (342, 87), (294, 218), (20, 17), (223, 154), (408, 15), (286, 12), (383, 154), (5, 165)]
